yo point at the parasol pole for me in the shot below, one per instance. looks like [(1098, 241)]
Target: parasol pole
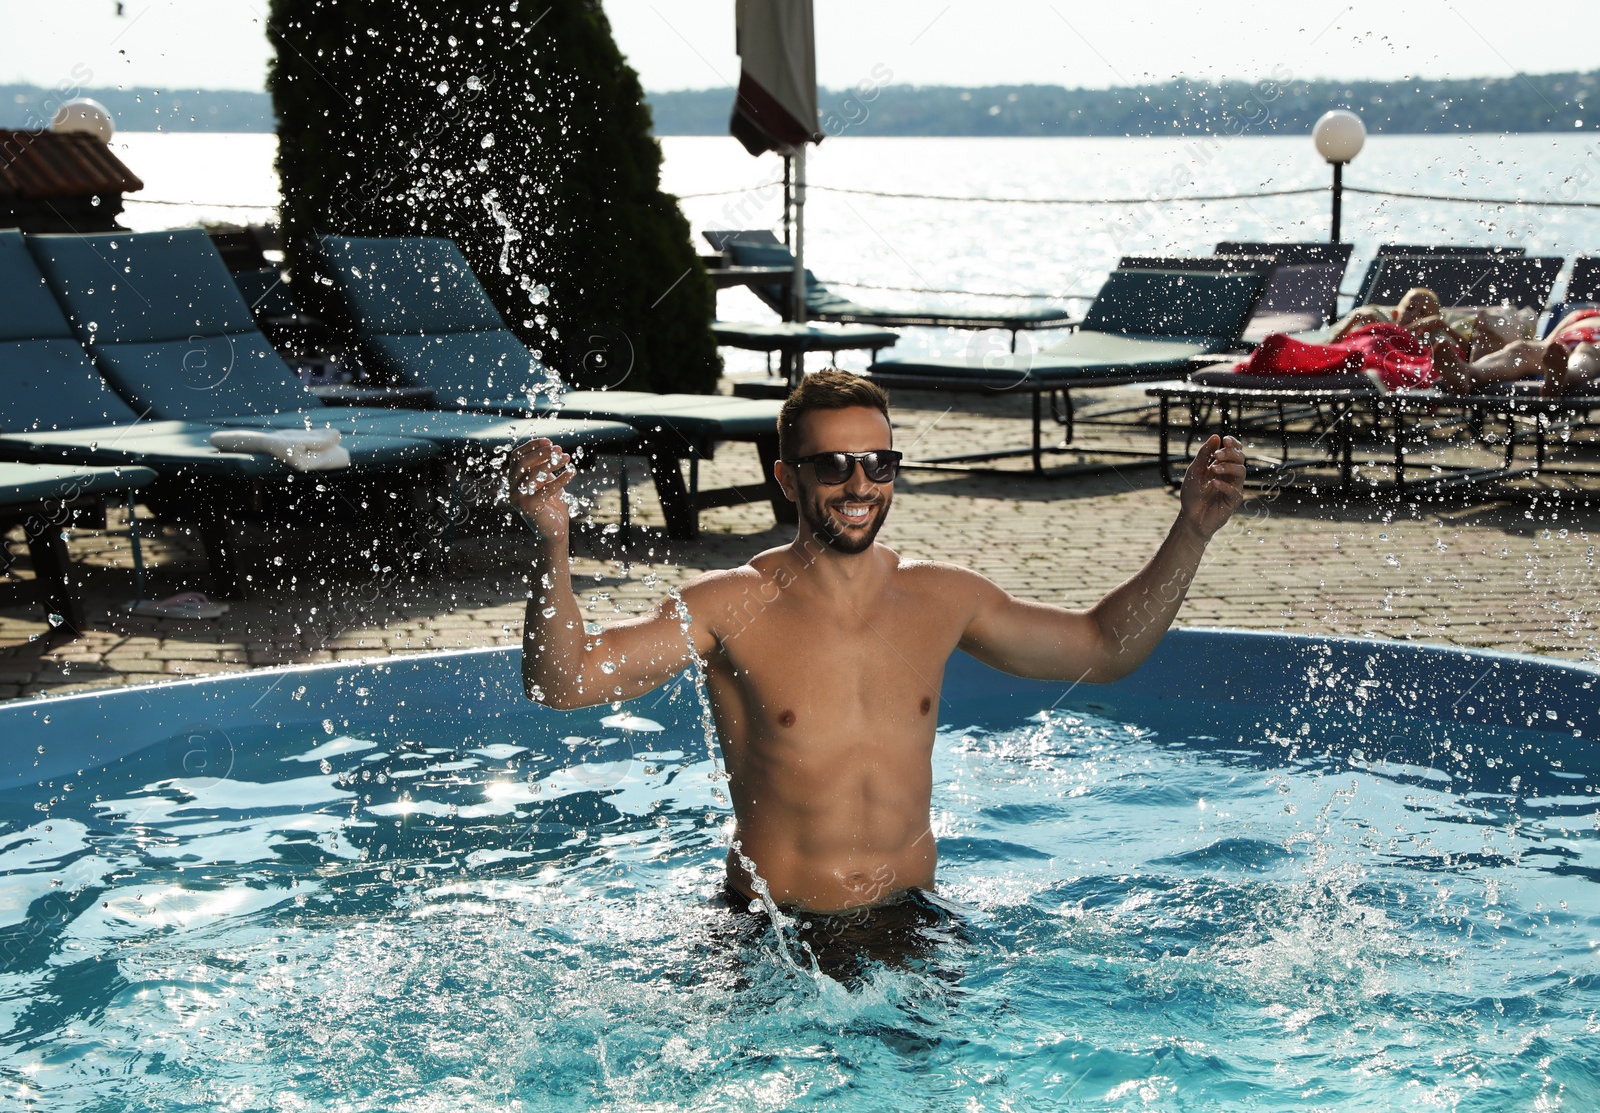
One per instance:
[(798, 290), (788, 198)]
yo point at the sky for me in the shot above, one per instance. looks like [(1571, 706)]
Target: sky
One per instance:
[(689, 44)]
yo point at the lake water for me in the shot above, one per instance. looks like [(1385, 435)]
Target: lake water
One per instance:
[(1009, 248)]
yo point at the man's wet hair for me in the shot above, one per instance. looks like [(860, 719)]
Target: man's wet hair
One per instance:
[(829, 389)]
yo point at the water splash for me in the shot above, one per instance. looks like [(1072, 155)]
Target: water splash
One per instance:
[(509, 234)]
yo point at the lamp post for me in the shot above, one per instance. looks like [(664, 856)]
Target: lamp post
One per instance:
[(1338, 136)]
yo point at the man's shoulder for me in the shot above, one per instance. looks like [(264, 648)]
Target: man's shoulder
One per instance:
[(720, 581), (727, 586), (941, 576), (941, 571)]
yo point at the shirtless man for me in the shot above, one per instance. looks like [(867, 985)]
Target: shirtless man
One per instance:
[(824, 657)]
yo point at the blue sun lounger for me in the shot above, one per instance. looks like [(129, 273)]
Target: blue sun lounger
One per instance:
[(425, 319), (173, 336), (1143, 325), (55, 408)]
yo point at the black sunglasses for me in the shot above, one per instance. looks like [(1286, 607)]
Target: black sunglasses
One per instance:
[(833, 468)]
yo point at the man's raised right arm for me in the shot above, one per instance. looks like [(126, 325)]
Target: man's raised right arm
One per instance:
[(563, 666)]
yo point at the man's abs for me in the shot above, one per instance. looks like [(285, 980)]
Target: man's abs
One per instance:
[(864, 842)]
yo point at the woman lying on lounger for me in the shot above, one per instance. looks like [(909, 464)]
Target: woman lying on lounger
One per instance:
[(1420, 314), (1468, 360), (1569, 360)]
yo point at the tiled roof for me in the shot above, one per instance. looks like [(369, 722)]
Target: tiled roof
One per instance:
[(39, 165)]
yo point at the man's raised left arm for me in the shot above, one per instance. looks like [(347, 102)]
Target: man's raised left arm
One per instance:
[(1112, 638)]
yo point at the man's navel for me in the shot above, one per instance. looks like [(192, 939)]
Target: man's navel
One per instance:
[(927, 704), (786, 718)]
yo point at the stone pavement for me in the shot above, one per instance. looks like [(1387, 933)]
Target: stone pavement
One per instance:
[(1513, 572)]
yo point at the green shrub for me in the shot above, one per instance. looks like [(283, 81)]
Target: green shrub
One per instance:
[(517, 130)]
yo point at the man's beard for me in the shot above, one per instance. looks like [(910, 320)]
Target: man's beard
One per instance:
[(831, 532)]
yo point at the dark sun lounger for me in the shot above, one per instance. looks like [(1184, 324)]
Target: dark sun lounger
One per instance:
[(1144, 324), (760, 248)]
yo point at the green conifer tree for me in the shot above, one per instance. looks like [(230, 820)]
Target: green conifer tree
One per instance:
[(515, 128)]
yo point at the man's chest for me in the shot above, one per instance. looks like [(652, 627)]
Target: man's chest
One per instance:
[(881, 662)]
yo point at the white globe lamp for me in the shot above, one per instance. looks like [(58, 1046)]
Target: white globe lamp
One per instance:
[(85, 115), (1338, 136)]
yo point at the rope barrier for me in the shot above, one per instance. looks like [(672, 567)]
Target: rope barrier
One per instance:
[(194, 204), (731, 192), (1075, 200), (1475, 200), (1302, 192)]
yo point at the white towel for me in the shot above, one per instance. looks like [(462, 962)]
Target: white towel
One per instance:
[(301, 449)]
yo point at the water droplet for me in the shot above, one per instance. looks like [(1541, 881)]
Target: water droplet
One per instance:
[(56, 620)]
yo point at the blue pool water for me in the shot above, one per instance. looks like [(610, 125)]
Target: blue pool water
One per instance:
[(1265, 873)]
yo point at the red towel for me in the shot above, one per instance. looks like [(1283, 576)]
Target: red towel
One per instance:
[(1400, 360)]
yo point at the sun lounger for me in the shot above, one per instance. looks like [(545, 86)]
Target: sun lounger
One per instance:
[(1327, 413), (1144, 324), (424, 319), (1406, 439), (760, 248), (1294, 296), (1330, 410), (175, 338), (55, 408), (44, 499), (1465, 280), (1458, 251), (1300, 300), (1484, 278)]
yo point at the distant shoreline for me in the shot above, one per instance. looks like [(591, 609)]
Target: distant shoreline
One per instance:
[(1277, 103)]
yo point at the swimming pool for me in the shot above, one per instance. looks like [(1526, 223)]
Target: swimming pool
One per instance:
[(1264, 872)]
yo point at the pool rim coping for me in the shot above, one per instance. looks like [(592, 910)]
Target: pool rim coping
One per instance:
[(319, 668)]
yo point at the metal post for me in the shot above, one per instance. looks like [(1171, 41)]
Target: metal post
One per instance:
[(788, 198), (1338, 198), (138, 554), (798, 290)]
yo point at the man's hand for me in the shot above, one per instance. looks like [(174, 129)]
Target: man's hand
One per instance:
[(1213, 486), (537, 472)]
